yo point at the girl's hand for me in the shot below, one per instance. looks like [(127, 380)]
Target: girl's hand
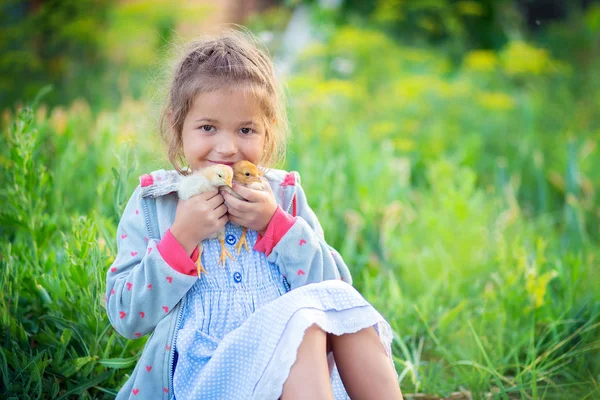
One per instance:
[(256, 211), (198, 218)]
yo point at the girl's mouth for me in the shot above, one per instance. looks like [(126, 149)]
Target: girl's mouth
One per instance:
[(230, 163)]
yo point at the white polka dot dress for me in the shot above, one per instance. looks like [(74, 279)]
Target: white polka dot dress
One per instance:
[(241, 327)]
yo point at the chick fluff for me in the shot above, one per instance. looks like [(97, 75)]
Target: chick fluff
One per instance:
[(205, 180), (246, 174)]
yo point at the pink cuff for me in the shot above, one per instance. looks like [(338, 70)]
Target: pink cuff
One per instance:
[(176, 256), (280, 223), (194, 255)]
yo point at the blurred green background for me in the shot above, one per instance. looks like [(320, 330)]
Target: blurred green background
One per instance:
[(448, 147)]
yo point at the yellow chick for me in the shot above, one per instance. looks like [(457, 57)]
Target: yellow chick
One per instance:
[(204, 180), (246, 174)]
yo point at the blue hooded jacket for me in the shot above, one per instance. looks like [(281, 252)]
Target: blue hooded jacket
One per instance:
[(144, 293)]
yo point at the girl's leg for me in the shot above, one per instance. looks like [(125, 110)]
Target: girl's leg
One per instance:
[(309, 376), (364, 366)]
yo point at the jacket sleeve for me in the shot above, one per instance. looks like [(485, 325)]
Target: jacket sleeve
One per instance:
[(141, 287), (301, 252)]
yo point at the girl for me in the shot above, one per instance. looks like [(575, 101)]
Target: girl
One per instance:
[(281, 319)]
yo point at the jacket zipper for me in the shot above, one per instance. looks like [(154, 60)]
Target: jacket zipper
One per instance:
[(291, 201), (172, 356)]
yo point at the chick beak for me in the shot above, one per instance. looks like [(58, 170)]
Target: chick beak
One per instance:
[(228, 181)]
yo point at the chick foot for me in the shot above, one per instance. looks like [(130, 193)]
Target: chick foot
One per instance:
[(199, 265), (242, 242), (224, 252)]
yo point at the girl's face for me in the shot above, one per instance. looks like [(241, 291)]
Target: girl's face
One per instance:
[(223, 127)]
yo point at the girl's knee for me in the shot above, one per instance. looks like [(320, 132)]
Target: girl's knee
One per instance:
[(314, 337), (315, 330)]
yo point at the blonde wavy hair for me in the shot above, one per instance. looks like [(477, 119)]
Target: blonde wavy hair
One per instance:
[(232, 60)]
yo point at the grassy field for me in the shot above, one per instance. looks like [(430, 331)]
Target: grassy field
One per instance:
[(464, 199)]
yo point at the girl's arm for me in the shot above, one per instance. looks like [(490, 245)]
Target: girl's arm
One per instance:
[(148, 277), (297, 245)]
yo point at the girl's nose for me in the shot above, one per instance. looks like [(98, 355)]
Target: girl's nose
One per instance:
[(226, 147)]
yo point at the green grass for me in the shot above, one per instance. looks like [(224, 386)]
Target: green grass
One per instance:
[(464, 205)]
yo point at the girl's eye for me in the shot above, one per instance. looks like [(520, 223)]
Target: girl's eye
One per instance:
[(246, 131), (207, 128)]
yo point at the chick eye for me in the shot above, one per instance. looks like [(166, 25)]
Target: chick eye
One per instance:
[(247, 173), (220, 176)]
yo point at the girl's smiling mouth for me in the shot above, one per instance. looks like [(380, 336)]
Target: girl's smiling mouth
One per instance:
[(230, 163)]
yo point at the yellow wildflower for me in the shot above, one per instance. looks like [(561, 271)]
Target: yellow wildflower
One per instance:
[(313, 51), (404, 144), (361, 42), (481, 60), (496, 101), (471, 8), (389, 11), (521, 58), (338, 88), (383, 129), (416, 55), (449, 90), (540, 250), (413, 87), (302, 84), (537, 285)]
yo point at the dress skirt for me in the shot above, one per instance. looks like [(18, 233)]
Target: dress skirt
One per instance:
[(253, 360)]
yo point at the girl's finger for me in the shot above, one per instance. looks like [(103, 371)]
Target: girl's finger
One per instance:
[(221, 210), (223, 220), (208, 195), (216, 201), (236, 220), (236, 204), (251, 195), (235, 213)]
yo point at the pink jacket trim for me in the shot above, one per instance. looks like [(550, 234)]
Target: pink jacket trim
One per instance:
[(176, 256), (146, 180), (280, 223), (289, 180)]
